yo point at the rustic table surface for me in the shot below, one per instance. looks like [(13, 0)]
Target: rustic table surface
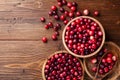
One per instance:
[(22, 52)]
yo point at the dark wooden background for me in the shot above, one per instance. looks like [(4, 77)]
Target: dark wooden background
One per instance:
[(22, 52)]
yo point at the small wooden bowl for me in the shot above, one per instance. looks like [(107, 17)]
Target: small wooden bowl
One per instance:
[(112, 47), (91, 54), (43, 73)]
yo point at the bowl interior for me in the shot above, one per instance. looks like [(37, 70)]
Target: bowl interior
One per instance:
[(43, 73), (91, 54), (112, 47)]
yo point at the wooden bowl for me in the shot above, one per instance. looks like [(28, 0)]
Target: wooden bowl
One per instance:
[(43, 74), (91, 54), (112, 47)]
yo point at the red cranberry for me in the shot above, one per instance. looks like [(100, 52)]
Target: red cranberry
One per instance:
[(59, 0), (56, 17), (94, 69), (96, 13), (100, 33), (50, 13), (64, 2), (114, 58), (74, 3), (44, 39), (94, 60), (109, 60), (69, 4), (50, 24), (73, 8), (106, 69), (46, 26), (65, 22), (56, 33), (66, 13), (62, 10), (42, 19), (54, 8), (60, 4), (54, 37), (86, 12), (71, 14), (62, 17), (78, 13)]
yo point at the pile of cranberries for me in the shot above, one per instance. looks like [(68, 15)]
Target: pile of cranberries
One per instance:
[(60, 14), (83, 36), (105, 63), (63, 66)]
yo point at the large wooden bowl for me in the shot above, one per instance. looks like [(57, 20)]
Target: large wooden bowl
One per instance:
[(91, 54), (112, 47), (43, 73)]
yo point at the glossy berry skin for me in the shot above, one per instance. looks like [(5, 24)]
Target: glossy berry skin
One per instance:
[(71, 14), (96, 13), (86, 12), (63, 66), (78, 13), (54, 37), (69, 4), (73, 8), (65, 22), (62, 17), (94, 61), (42, 19), (54, 8), (44, 39), (46, 26)]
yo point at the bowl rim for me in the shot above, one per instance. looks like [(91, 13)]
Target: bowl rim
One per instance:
[(91, 54), (106, 43), (57, 52)]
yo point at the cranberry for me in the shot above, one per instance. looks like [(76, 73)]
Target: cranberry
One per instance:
[(106, 69), (94, 69), (44, 39), (42, 19), (114, 58), (50, 24), (62, 17), (60, 4), (74, 4), (62, 10), (109, 60), (64, 2), (94, 60), (65, 22), (54, 37), (71, 14), (54, 8), (73, 8), (96, 13), (86, 12), (50, 13), (78, 13), (69, 4), (66, 13), (56, 17), (46, 26)]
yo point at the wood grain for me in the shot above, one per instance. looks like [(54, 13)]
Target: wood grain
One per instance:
[(21, 51)]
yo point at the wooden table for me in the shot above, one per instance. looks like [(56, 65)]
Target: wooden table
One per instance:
[(22, 52)]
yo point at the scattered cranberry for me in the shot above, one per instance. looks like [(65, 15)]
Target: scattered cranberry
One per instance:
[(74, 4), (78, 13), (94, 60), (54, 8), (50, 24), (63, 66), (96, 13), (59, 0), (50, 13), (69, 4), (64, 2), (56, 17), (46, 26), (42, 19), (44, 39), (56, 33), (73, 8), (54, 37), (62, 10), (86, 12), (66, 13), (62, 17), (65, 22), (60, 4), (71, 14)]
